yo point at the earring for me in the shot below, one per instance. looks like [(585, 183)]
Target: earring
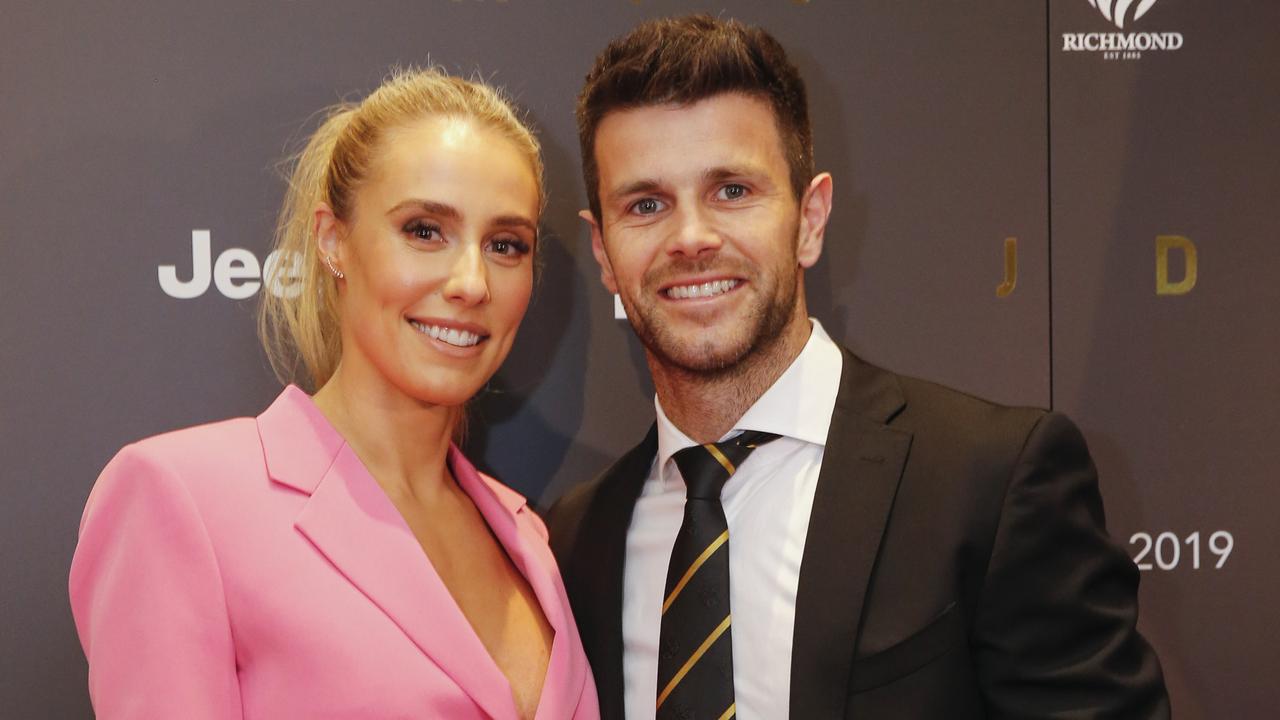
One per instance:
[(328, 260)]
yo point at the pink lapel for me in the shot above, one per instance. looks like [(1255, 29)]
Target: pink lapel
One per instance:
[(352, 522), (500, 506)]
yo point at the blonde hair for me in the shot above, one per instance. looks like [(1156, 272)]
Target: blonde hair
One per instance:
[(300, 327)]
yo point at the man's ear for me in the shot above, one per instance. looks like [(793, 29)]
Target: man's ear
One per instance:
[(327, 228), (597, 249), (815, 209)]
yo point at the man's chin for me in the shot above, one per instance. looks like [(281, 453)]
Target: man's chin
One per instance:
[(700, 354)]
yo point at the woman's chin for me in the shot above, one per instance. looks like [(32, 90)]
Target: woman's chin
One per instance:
[(444, 394)]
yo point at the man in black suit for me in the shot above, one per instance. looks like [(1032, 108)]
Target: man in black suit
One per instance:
[(889, 548)]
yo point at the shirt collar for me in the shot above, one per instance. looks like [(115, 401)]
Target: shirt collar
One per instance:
[(798, 405)]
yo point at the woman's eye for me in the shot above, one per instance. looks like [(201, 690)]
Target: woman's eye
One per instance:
[(422, 231), (733, 191), (510, 247), (647, 206)]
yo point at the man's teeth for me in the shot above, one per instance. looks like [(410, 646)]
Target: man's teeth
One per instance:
[(461, 338), (707, 289)]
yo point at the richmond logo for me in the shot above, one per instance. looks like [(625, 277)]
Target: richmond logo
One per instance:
[(1121, 45), (1116, 13)]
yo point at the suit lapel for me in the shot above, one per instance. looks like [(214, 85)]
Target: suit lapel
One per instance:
[(598, 564), (352, 523), (861, 469)]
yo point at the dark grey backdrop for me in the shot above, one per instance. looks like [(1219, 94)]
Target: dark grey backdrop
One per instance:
[(949, 127)]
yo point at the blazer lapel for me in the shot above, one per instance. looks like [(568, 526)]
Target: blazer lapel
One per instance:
[(501, 506), (861, 468), (598, 563), (350, 520)]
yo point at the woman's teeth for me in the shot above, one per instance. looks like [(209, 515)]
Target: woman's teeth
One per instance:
[(707, 289), (452, 336)]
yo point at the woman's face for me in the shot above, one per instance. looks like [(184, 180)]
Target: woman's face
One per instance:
[(437, 255)]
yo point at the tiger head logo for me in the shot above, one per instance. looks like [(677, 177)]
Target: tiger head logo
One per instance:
[(1116, 10)]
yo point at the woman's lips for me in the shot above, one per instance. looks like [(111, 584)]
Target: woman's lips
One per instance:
[(457, 335)]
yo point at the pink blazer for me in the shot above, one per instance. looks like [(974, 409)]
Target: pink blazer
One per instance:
[(253, 568)]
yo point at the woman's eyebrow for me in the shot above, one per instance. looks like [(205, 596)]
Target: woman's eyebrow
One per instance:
[(435, 208), (450, 212), (515, 221)]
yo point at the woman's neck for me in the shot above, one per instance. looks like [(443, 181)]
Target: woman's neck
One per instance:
[(403, 442)]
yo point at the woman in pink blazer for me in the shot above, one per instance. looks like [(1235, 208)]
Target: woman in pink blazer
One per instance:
[(338, 556)]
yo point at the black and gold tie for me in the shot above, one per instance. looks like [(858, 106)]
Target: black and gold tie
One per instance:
[(695, 649)]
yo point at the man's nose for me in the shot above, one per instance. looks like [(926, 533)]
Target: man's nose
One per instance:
[(468, 281), (694, 233)]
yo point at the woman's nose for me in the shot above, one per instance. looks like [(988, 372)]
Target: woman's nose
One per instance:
[(468, 281)]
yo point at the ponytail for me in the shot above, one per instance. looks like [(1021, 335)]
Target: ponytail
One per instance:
[(299, 326)]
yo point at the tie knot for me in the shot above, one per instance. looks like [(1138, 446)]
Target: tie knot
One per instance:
[(706, 468)]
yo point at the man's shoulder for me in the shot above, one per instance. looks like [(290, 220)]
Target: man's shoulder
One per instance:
[(930, 407), (945, 403), (629, 469), (629, 465), (573, 503)]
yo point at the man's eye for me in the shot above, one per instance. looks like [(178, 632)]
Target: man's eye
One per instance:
[(733, 191), (647, 206), (422, 231)]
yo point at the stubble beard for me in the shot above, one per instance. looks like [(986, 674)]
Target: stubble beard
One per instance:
[(712, 358)]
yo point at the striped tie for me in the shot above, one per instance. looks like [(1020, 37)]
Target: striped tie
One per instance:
[(695, 650)]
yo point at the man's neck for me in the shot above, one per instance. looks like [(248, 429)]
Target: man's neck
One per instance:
[(705, 406)]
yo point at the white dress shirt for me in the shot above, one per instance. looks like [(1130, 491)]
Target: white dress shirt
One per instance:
[(767, 503)]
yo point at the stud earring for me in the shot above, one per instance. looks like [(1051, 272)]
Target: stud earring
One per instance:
[(328, 260)]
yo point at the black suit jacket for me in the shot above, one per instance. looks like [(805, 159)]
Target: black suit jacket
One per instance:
[(956, 566)]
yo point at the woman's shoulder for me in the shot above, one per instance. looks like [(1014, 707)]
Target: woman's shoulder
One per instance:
[(190, 457), (165, 478), (197, 447), (215, 443)]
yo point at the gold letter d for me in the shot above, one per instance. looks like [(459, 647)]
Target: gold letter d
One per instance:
[(1165, 243)]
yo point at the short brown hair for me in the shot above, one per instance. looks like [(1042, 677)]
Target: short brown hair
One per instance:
[(686, 59)]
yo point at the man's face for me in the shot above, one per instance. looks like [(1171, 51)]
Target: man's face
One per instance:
[(700, 232)]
